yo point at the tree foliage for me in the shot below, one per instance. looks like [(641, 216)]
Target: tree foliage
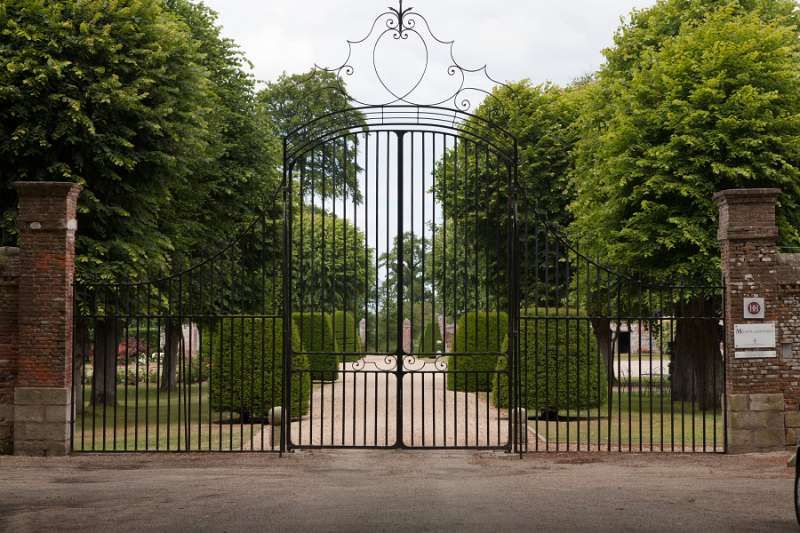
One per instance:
[(416, 288), (330, 270), (240, 178), (110, 94), (697, 96), (475, 186), (307, 109)]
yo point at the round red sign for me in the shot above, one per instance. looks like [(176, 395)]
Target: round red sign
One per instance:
[(754, 308)]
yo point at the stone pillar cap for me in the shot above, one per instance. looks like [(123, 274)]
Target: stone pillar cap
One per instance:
[(743, 196), (46, 188), (747, 214)]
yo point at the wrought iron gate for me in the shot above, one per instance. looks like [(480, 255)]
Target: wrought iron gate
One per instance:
[(382, 180), (401, 290)]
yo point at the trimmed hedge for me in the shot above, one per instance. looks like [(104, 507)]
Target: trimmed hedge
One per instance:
[(563, 364), (246, 368), (316, 336), (476, 332), (427, 342), (348, 339)]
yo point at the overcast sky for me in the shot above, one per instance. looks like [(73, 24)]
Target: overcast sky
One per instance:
[(544, 40)]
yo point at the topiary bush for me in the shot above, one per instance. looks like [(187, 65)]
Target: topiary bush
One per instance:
[(561, 365), (431, 339), (317, 337), (476, 332), (247, 367), (347, 335)]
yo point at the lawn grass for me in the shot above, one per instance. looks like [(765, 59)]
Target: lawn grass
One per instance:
[(158, 422), (635, 420)]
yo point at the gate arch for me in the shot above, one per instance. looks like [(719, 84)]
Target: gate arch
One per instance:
[(398, 175), (380, 172)]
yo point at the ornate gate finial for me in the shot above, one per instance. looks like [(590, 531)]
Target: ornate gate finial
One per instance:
[(401, 18), (405, 24)]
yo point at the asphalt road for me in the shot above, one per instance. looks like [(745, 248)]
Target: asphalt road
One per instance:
[(397, 491)]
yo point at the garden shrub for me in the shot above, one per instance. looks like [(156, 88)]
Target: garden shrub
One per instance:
[(431, 339), (246, 367), (476, 332), (317, 337), (561, 365), (348, 339)]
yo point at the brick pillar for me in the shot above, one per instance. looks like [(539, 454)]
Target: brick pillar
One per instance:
[(9, 278), (46, 220), (748, 237)]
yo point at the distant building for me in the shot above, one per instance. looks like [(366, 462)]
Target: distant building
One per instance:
[(636, 337)]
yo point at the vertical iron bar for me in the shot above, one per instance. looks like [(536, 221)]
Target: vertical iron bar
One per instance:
[(400, 285)]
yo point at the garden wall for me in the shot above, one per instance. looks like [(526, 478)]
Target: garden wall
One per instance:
[(9, 280)]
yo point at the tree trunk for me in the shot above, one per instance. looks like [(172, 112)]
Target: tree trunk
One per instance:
[(696, 368), (172, 352), (104, 372), (605, 343)]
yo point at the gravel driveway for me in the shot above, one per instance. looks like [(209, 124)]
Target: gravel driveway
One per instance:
[(360, 409)]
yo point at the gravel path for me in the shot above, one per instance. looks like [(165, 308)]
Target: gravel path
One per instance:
[(360, 409), (632, 368)]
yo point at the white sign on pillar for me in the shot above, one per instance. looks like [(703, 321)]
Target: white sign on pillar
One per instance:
[(755, 341)]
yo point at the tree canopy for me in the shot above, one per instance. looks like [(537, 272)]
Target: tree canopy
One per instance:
[(112, 95), (696, 96), (333, 267), (308, 108)]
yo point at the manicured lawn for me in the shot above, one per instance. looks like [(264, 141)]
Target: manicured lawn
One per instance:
[(154, 420), (634, 421)]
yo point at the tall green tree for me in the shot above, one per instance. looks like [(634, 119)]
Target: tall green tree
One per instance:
[(110, 94), (312, 112), (415, 288), (237, 179), (145, 104), (459, 274), (696, 96), (333, 268)]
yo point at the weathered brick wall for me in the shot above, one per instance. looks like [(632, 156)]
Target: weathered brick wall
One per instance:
[(788, 277), (9, 278), (751, 272), (46, 221), (763, 394)]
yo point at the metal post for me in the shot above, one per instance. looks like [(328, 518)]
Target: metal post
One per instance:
[(400, 292), (287, 304)]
